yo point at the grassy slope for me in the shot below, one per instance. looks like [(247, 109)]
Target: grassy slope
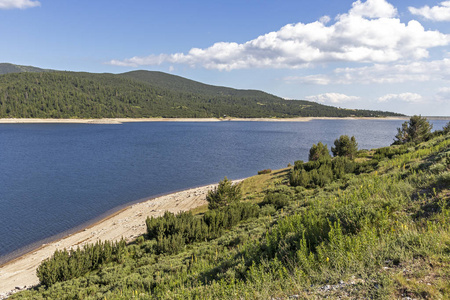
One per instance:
[(383, 234)]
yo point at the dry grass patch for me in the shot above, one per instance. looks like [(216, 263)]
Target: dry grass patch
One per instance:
[(253, 188)]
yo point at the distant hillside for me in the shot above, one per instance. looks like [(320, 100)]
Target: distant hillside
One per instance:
[(28, 92), (180, 84), (6, 68)]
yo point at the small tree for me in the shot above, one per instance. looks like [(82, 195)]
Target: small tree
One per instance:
[(345, 146), (417, 130), (224, 194), (318, 151)]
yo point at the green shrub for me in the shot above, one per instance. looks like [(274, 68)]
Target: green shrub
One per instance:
[(446, 128), (266, 171), (345, 146), (224, 194), (278, 200), (267, 210), (172, 231), (417, 130), (318, 151), (65, 265), (298, 165)]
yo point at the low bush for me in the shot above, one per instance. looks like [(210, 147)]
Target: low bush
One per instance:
[(172, 231), (65, 265), (266, 171), (224, 194), (277, 200)]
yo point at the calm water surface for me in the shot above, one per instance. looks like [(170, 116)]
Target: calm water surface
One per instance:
[(55, 177)]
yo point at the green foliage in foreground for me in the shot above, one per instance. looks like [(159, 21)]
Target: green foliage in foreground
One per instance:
[(318, 173), (345, 146), (417, 130), (446, 128), (172, 232), (318, 151), (145, 94), (224, 194), (382, 234), (65, 265)]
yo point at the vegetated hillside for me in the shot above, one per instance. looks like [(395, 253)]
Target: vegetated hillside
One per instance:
[(86, 95), (6, 68), (372, 227), (180, 84)]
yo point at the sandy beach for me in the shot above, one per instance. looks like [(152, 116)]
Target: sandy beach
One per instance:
[(129, 120), (127, 223)]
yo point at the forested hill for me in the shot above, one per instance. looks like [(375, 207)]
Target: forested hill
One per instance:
[(26, 92), (180, 84), (6, 68)]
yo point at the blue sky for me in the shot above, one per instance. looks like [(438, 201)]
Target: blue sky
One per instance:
[(371, 54)]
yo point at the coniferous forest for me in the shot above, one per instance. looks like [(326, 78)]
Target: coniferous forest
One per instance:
[(28, 92)]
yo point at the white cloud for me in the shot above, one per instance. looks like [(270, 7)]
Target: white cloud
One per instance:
[(22, 4), (332, 98), (436, 13), (357, 36), (325, 19), (373, 9), (404, 97), (420, 71)]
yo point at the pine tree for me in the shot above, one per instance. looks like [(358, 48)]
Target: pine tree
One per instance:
[(223, 195), (417, 130), (345, 146), (318, 151)]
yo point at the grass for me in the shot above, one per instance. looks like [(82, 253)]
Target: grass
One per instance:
[(254, 188), (199, 210)]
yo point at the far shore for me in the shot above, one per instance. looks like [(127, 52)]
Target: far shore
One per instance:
[(130, 120), (127, 223)]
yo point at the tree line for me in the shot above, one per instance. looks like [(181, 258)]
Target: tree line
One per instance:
[(86, 95)]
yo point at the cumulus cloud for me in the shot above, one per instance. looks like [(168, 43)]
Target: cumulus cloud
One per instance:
[(404, 97), (22, 4), (332, 98), (420, 71), (373, 9), (440, 12), (356, 36)]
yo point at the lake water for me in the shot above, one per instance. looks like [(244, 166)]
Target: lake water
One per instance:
[(55, 177)]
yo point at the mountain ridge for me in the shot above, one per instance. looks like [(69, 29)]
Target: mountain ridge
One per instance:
[(7, 68), (29, 92)]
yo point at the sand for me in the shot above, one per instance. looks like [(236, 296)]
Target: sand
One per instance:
[(128, 120), (128, 223)]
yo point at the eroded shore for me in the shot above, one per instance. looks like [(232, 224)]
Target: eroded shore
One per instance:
[(130, 120)]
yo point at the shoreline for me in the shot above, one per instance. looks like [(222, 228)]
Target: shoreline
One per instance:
[(126, 222), (134, 120)]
